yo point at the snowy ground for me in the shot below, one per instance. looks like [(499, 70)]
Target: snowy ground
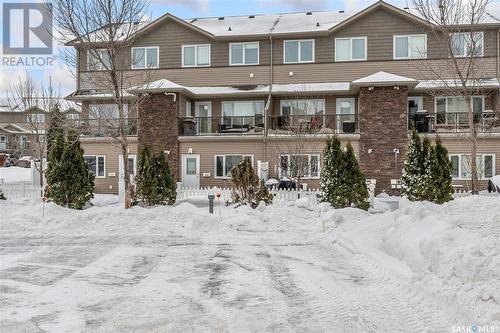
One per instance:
[(286, 268), (15, 174)]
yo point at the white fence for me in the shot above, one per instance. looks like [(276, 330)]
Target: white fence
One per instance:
[(13, 191), (225, 193)]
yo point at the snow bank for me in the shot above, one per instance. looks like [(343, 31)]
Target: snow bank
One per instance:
[(452, 250)]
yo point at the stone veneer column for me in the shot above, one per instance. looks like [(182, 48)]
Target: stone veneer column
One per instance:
[(383, 128), (158, 127)]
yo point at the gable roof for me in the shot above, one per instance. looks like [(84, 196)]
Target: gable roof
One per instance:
[(383, 78)]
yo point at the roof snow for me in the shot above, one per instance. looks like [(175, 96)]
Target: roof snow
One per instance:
[(443, 84), (382, 78), (167, 85)]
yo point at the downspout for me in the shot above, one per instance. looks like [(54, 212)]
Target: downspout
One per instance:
[(269, 97), (271, 79)]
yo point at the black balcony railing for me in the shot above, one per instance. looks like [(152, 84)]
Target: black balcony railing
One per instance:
[(452, 122), (244, 125), (314, 124)]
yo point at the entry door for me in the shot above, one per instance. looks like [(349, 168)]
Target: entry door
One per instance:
[(346, 116), (191, 170), (203, 114), (132, 166)]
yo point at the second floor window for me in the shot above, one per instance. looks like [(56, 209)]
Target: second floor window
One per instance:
[(300, 107), (145, 57), (296, 51), (244, 115), (98, 60), (466, 44), (244, 53), (350, 49), (196, 55), (410, 47)]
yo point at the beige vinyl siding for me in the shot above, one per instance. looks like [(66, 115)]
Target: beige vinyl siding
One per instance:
[(207, 149), (460, 145), (111, 151)]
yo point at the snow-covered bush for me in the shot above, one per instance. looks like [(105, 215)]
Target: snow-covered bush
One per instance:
[(248, 190)]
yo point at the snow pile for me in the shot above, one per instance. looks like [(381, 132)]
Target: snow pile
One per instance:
[(452, 250)]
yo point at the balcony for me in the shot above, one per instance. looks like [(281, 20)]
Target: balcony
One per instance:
[(102, 127), (199, 126), (314, 124), (453, 122)]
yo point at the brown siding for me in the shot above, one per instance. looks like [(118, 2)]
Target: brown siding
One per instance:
[(459, 145), (111, 151)]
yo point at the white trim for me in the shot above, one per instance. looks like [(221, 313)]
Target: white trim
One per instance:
[(480, 176), (196, 55), (409, 46), (300, 61), (465, 46), (145, 56), (184, 167), (351, 39), (244, 54), (97, 164), (308, 161), (224, 163)]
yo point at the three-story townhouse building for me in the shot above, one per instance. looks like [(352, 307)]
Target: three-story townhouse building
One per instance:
[(271, 88)]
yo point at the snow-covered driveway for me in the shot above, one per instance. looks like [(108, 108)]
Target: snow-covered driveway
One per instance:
[(180, 269)]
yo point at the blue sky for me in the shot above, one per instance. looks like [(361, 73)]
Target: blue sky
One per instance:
[(189, 9)]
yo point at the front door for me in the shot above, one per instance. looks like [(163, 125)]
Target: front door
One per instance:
[(203, 115), (191, 170)]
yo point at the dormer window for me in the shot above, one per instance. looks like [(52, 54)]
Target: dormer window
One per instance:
[(196, 55), (145, 57)]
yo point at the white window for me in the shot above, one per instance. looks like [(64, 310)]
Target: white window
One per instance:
[(305, 166), (96, 165), (189, 110), (106, 111), (296, 51), (224, 164), (453, 109), (244, 53), (461, 166), (196, 55), (36, 117), (243, 115), (98, 60), (23, 142), (145, 57), (72, 116), (467, 44), (350, 49), (300, 107), (410, 47)]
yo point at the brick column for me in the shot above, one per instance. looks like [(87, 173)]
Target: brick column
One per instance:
[(383, 128), (158, 127)]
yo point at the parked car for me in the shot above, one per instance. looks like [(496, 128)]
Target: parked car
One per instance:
[(24, 162), (494, 184)]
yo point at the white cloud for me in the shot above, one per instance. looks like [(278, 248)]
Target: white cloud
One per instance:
[(199, 5)]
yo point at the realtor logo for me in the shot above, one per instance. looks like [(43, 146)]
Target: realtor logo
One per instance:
[(27, 28)]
